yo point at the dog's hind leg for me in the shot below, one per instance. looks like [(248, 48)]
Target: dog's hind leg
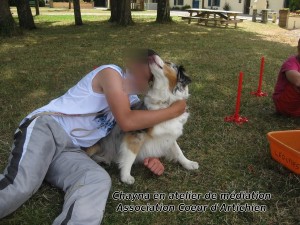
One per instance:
[(129, 149), (178, 155)]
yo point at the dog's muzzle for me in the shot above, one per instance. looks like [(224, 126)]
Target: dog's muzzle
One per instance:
[(151, 60)]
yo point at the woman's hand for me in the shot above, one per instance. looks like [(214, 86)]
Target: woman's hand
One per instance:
[(154, 165), (179, 107)]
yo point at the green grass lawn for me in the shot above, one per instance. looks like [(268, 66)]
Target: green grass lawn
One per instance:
[(43, 64)]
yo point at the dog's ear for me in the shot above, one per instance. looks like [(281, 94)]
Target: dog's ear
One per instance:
[(182, 77)]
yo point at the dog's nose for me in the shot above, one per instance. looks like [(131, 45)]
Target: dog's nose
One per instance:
[(151, 52)]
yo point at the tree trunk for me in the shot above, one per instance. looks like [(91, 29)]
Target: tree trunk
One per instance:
[(25, 15), (113, 11), (7, 24), (120, 12), (37, 8), (70, 4), (77, 13), (142, 2), (163, 11), (125, 13)]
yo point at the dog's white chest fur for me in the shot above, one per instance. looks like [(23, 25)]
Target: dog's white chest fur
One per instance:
[(162, 137), (172, 128)]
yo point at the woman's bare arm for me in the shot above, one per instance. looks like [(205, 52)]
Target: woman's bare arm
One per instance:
[(293, 76), (111, 85)]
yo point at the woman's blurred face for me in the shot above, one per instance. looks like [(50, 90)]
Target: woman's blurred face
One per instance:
[(140, 76)]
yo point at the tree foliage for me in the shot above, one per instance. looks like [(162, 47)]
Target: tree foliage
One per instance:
[(294, 5)]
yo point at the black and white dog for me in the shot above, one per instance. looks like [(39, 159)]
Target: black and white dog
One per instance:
[(125, 148)]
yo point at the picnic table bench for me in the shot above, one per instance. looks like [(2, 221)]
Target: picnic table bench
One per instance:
[(218, 17)]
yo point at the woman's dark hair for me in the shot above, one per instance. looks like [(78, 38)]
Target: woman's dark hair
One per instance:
[(141, 55)]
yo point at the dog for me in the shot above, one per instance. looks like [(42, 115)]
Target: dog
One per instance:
[(170, 84)]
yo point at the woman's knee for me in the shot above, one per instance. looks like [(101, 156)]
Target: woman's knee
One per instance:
[(98, 176)]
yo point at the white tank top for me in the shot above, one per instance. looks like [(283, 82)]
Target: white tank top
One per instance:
[(81, 99)]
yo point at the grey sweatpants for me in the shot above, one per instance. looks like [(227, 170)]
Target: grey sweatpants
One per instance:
[(43, 150)]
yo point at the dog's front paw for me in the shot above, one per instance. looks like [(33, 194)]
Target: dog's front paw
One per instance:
[(127, 179), (191, 165)]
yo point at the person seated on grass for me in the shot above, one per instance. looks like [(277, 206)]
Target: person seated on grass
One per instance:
[(44, 147), (286, 95)]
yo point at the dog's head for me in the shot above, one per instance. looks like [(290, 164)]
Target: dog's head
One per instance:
[(169, 75)]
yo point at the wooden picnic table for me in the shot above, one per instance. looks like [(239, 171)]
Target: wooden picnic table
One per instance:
[(219, 17)]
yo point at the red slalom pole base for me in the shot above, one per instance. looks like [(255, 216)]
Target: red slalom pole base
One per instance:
[(259, 93), (236, 119)]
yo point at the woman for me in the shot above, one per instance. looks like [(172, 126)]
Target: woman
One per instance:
[(51, 147), (286, 95)]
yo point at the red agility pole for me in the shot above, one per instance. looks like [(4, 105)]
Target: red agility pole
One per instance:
[(236, 117), (259, 92)]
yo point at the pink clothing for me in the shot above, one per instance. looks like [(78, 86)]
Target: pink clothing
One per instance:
[(286, 96)]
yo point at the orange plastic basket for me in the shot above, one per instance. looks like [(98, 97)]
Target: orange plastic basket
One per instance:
[(285, 148)]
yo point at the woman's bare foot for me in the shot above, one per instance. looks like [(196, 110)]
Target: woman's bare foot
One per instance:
[(154, 165)]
